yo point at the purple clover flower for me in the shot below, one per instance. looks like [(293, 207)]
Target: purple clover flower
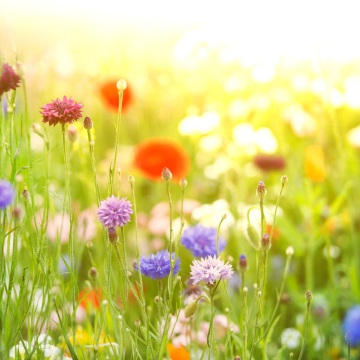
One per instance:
[(9, 79), (7, 194), (210, 270), (157, 266), (114, 212), (201, 240), (351, 326), (64, 111)]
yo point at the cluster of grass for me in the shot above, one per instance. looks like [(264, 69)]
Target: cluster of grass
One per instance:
[(61, 276)]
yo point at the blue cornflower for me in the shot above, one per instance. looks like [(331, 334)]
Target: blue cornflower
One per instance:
[(351, 326), (7, 194), (157, 266), (201, 240)]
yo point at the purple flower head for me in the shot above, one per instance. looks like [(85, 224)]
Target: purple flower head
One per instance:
[(201, 240), (210, 270), (7, 194), (64, 111), (114, 212), (9, 79), (351, 326), (157, 266)]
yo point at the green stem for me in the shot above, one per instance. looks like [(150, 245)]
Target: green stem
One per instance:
[(117, 137), (306, 329)]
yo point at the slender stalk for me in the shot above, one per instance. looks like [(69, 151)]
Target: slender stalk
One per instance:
[(308, 298), (121, 87)]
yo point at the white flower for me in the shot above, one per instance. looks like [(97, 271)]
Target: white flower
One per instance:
[(211, 214), (353, 137), (291, 338), (19, 350), (199, 125)]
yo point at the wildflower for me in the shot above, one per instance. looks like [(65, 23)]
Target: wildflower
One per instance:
[(267, 162), (261, 190), (157, 266), (166, 174), (290, 338), (315, 163), (86, 227), (201, 240), (351, 326), (178, 353), (90, 298), (265, 242), (114, 212), (7, 194), (243, 263), (209, 215), (210, 270), (110, 95), (153, 155), (64, 111), (88, 124), (59, 228), (9, 79)]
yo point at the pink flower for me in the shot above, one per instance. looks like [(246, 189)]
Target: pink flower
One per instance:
[(210, 270), (64, 111), (114, 212), (86, 228), (59, 228), (9, 79)]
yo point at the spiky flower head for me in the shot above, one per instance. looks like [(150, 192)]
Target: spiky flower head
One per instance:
[(209, 270), (9, 79), (64, 111), (114, 212), (7, 194), (157, 266), (201, 240)]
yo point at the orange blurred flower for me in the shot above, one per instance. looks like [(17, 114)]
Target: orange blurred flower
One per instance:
[(151, 156), (110, 95), (90, 298), (315, 163), (178, 353)]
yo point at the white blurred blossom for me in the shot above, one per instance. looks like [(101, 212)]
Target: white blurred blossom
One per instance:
[(199, 124), (353, 137), (291, 338)]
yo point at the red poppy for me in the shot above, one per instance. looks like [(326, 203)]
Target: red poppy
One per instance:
[(153, 155), (110, 95), (267, 162), (90, 298)]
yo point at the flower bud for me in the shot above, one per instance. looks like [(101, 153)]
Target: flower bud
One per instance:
[(284, 179), (131, 180), (190, 310), (243, 263), (121, 85), (290, 251), (261, 190), (93, 273), (166, 174), (265, 242), (72, 133), (113, 237), (309, 295), (183, 183), (88, 124), (137, 323)]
